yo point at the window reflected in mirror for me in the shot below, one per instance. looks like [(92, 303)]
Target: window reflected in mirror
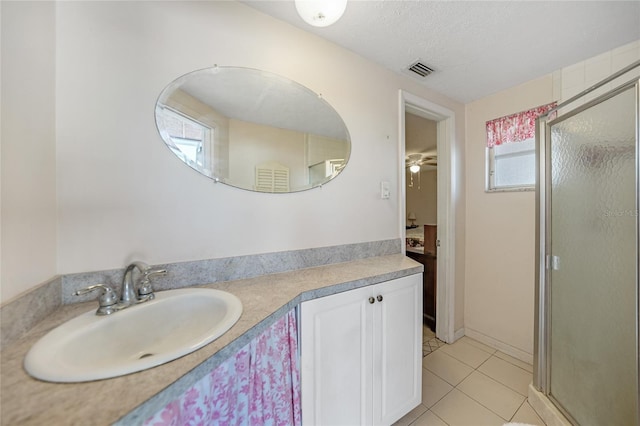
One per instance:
[(190, 140)]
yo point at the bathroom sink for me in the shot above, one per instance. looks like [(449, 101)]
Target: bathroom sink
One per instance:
[(91, 347)]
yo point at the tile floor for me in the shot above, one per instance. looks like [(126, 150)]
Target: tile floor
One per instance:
[(470, 384), (429, 341)]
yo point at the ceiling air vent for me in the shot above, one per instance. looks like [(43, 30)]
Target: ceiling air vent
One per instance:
[(419, 68)]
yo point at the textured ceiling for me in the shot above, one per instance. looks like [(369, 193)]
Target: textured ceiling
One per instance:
[(261, 98), (475, 47)]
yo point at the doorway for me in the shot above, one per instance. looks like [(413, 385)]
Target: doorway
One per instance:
[(444, 242), (421, 190)]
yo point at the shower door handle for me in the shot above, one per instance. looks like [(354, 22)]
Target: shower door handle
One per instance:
[(553, 263)]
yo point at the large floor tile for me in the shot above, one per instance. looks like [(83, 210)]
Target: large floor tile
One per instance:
[(433, 388), (457, 409), (467, 353), (411, 416), (491, 394), (429, 419), (446, 367), (508, 374), (527, 415)]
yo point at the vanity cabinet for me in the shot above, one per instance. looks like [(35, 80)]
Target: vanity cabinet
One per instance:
[(361, 354)]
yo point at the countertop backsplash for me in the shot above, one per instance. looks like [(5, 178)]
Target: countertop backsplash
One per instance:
[(20, 314)]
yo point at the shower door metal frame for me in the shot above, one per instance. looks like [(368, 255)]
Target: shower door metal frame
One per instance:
[(542, 346)]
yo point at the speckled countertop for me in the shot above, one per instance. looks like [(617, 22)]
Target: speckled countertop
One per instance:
[(131, 399)]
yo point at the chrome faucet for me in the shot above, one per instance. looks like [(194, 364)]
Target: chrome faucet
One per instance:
[(132, 291), (141, 291)]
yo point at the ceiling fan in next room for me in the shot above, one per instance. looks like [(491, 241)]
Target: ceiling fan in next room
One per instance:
[(414, 162)]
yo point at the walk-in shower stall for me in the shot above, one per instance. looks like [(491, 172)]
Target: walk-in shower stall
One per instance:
[(586, 349)]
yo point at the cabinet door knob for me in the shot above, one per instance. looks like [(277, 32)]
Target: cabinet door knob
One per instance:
[(372, 300), (379, 298)]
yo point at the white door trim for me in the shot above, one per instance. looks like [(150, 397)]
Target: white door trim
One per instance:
[(445, 285)]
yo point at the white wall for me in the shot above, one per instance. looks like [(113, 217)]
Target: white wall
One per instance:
[(28, 218), (122, 195), (500, 246), (500, 255)]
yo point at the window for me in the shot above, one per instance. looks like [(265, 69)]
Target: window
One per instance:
[(513, 165), (190, 139), (511, 151)]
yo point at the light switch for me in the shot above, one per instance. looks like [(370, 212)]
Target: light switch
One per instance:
[(385, 192)]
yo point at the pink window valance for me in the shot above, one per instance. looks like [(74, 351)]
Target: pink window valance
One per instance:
[(515, 127)]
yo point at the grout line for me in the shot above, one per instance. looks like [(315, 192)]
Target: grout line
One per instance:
[(514, 414), (501, 384), (474, 369), (466, 363), (504, 384), (443, 396), (441, 419), (483, 363), (463, 379)]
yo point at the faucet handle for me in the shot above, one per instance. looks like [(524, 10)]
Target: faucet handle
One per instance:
[(145, 291), (154, 272), (107, 299)]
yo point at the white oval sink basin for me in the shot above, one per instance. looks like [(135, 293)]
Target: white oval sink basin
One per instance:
[(91, 347)]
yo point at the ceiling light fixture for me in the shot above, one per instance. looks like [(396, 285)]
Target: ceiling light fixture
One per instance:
[(414, 168), (320, 13)]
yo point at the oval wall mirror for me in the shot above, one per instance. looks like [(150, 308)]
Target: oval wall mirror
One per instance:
[(252, 129)]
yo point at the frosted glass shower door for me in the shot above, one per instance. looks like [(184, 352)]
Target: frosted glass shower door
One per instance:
[(593, 365)]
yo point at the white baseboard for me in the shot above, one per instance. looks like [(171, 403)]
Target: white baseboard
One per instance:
[(501, 346), (458, 334), (451, 339)]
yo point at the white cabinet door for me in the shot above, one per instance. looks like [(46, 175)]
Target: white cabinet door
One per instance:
[(361, 361), (397, 348), (336, 365)]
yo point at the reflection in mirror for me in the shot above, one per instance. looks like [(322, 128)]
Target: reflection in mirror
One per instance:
[(252, 129)]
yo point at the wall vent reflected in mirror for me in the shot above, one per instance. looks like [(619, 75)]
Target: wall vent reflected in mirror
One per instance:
[(252, 129)]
